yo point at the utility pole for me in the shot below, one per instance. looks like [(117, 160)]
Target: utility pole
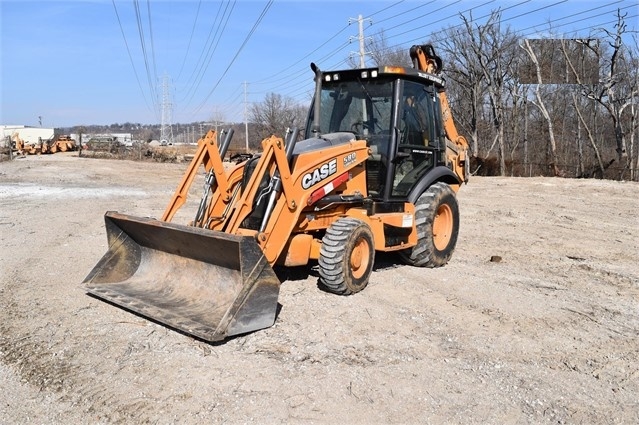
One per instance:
[(217, 135), (246, 117), (362, 49), (217, 118), (362, 59)]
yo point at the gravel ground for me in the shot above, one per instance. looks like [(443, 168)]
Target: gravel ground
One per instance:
[(546, 335)]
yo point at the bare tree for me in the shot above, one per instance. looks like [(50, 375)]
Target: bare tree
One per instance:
[(634, 115), (611, 93), (462, 66), (577, 107), (275, 114), (517, 91), (633, 55), (591, 138), (540, 103), (383, 54), (494, 50)]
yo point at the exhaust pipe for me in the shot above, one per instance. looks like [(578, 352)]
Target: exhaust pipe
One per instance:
[(318, 100)]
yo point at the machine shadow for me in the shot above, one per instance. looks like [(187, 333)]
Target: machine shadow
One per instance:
[(181, 332)]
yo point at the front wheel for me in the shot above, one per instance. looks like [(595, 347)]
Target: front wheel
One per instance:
[(437, 222), (346, 256)]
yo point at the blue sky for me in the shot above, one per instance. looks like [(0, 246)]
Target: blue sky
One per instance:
[(69, 63)]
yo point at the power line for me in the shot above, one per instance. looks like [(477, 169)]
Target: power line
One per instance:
[(389, 7), (461, 25), (188, 47), (150, 80), (402, 20), (248, 37), (234, 94), (298, 72), (155, 71), (137, 78), (296, 89), (284, 77), (580, 13), (281, 77), (412, 19), (209, 49), (447, 17), (550, 24)]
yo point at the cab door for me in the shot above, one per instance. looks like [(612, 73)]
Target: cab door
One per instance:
[(417, 140)]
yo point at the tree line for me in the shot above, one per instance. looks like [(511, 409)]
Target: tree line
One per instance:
[(548, 106)]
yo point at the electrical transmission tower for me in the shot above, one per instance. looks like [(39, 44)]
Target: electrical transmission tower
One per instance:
[(166, 130)]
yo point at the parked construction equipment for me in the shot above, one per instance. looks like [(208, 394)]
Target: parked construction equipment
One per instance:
[(62, 143), (377, 170)]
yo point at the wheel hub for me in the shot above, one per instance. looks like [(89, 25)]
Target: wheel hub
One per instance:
[(442, 226), (359, 259)]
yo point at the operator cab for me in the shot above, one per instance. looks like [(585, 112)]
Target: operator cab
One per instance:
[(396, 110)]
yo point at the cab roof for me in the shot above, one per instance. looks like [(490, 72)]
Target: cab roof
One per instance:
[(386, 71)]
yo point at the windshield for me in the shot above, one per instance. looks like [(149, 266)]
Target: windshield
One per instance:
[(362, 107)]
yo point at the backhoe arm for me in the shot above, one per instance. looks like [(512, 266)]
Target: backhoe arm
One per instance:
[(425, 59)]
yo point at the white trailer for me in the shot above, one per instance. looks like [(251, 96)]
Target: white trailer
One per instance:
[(30, 135)]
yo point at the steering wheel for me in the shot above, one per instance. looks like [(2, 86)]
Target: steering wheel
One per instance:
[(356, 126)]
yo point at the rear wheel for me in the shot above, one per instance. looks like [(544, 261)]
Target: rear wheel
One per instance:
[(437, 222), (346, 256)]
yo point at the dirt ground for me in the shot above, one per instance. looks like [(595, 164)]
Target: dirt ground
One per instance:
[(549, 334)]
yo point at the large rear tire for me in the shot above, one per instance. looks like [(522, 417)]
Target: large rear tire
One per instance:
[(437, 222), (346, 256)]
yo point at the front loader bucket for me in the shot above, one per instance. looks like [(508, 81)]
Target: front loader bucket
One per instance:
[(206, 283)]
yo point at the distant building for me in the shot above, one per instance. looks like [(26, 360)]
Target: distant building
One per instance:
[(30, 135), (125, 139)]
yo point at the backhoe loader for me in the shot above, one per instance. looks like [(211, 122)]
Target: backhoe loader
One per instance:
[(377, 169)]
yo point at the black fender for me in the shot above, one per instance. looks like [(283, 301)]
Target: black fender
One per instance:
[(439, 173)]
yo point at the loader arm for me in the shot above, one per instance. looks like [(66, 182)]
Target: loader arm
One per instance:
[(209, 154), (244, 205), (222, 202), (299, 187)]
